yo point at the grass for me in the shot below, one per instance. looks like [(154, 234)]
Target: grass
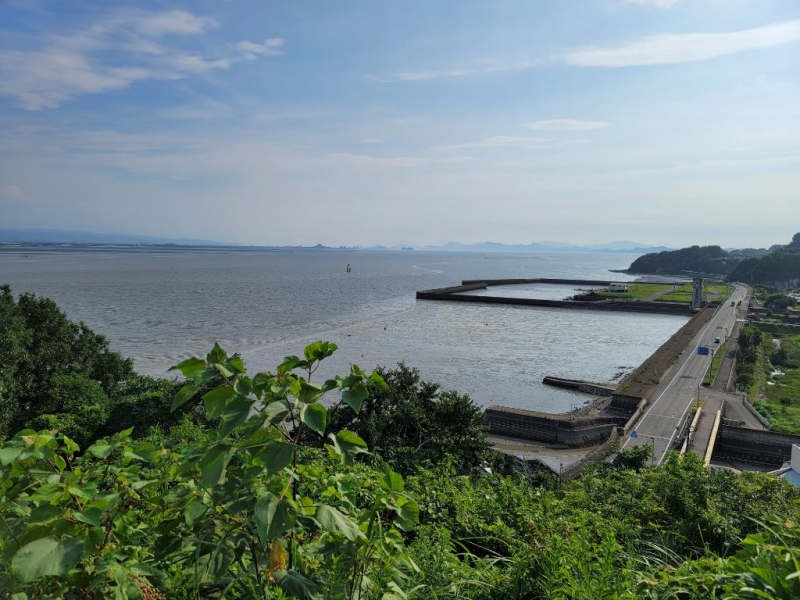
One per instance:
[(636, 291), (719, 354), (719, 293), (780, 402), (681, 294)]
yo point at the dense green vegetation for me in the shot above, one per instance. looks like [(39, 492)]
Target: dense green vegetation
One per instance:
[(769, 370), (58, 374), (716, 361), (409, 421), (274, 494), (695, 259), (781, 265)]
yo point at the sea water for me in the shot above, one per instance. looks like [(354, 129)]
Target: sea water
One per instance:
[(161, 305)]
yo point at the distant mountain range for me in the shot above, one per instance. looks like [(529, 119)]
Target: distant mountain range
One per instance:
[(548, 246), (58, 236)]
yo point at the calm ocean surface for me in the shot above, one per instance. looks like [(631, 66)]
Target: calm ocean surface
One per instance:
[(161, 306)]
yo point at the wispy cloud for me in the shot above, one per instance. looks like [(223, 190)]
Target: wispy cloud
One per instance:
[(500, 141), (362, 160), (251, 51), (13, 191), (454, 72), (129, 46), (656, 3), (566, 125), (686, 47)]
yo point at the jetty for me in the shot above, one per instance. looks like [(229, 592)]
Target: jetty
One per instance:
[(662, 403), (456, 294)]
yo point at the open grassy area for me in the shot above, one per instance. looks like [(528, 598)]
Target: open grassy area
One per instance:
[(780, 394), (636, 291), (719, 354), (681, 294)]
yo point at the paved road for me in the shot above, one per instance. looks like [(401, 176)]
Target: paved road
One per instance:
[(680, 386)]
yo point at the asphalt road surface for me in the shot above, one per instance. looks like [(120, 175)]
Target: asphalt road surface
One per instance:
[(674, 396)]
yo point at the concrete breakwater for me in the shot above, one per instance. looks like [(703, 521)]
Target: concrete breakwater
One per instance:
[(605, 418), (578, 386), (453, 294)]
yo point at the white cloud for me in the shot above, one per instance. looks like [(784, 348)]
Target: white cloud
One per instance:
[(63, 67), (361, 160), (176, 22), (450, 73), (251, 51), (566, 125), (13, 191), (373, 140), (500, 141), (656, 3), (674, 48)]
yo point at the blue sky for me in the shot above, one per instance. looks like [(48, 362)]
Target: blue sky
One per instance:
[(668, 122)]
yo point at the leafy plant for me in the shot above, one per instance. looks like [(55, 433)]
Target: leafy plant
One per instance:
[(244, 512)]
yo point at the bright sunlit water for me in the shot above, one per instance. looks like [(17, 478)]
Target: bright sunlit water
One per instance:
[(160, 306)]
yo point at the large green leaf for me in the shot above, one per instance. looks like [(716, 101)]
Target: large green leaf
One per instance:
[(309, 392), (190, 367), (217, 355), (184, 395), (216, 399), (273, 517), (295, 584), (319, 350), (46, 556), (392, 482), (213, 464), (277, 455), (355, 396), (194, 510), (90, 516), (315, 416), (333, 520), (347, 445), (234, 414), (9, 455), (407, 514)]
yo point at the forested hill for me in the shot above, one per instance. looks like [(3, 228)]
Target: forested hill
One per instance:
[(696, 259), (781, 264)]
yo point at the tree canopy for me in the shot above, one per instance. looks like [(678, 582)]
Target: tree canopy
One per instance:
[(58, 373), (711, 260), (410, 420)]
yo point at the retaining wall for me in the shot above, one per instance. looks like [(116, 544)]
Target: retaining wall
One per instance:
[(530, 425), (754, 446)]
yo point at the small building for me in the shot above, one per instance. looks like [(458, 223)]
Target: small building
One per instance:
[(791, 471), (617, 287)]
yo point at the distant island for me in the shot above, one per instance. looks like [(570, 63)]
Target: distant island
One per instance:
[(60, 237), (777, 264)]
